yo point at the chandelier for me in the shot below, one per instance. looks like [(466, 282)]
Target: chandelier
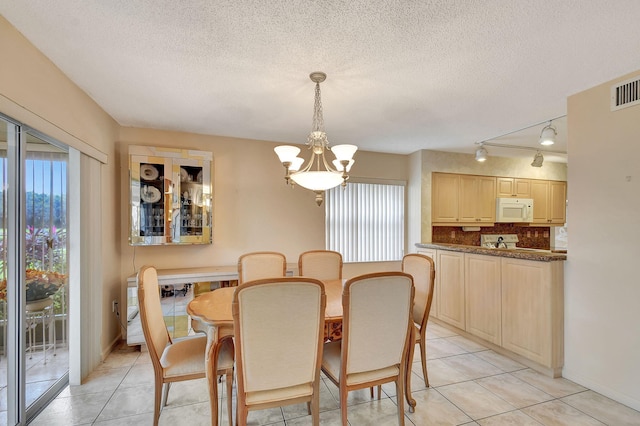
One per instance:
[(318, 175)]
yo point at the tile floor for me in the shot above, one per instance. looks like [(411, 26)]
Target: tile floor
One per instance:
[(471, 385)]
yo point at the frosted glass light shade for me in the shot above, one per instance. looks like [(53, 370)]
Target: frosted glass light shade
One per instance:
[(344, 152), (295, 164), (317, 180), (286, 153), (338, 166), (548, 136), (481, 154)]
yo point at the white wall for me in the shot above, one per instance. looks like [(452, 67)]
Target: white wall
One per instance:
[(602, 284)]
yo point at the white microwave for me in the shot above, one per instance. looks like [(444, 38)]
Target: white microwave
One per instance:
[(511, 210)]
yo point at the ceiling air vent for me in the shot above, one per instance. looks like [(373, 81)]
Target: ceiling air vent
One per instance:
[(625, 94)]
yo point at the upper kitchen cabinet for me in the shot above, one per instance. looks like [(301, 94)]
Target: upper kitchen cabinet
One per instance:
[(477, 199), (513, 187), (463, 199), (445, 196), (170, 198), (549, 202)]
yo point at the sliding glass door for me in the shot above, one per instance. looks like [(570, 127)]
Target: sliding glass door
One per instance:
[(33, 271)]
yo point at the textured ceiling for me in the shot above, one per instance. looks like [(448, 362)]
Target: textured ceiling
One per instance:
[(402, 75)]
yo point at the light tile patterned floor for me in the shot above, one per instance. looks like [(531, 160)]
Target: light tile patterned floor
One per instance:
[(471, 385)]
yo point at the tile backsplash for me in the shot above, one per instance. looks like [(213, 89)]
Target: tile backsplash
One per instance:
[(528, 237)]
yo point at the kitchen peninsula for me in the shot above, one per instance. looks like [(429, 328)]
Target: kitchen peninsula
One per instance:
[(511, 299)]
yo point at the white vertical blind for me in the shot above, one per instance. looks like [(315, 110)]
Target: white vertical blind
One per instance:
[(365, 221)]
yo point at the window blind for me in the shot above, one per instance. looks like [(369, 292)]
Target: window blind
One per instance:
[(365, 221)]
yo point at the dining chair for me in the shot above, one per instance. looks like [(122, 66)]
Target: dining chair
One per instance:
[(376, 328), (175, 360), (422, 269), (320, 264), (279, 332), (261, 264)]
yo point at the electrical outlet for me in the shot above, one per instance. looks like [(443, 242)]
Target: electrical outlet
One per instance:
[(114, 305)]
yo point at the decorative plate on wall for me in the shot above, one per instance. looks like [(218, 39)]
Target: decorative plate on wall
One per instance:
[(148, 172)]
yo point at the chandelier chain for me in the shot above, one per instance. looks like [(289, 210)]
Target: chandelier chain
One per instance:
[(318, 120)]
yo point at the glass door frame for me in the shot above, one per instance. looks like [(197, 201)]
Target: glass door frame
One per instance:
[(17, 412)]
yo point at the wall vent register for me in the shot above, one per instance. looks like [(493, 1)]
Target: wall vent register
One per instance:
[(625, 94)]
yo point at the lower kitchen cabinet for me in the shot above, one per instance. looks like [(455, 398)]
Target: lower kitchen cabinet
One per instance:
[(532, 310), (483, 297), (450, 287), (515, 304)]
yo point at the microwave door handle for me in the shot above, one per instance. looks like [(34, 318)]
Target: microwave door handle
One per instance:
[(525, 212)]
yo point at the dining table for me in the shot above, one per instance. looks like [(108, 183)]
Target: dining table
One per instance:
[(213, 309)]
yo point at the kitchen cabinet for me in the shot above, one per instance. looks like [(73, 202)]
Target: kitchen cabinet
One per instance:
[(170, 196), (532, 310), (483, 297), (463, 199), (477, 199), (513, 303), (513, 187), (549, 202), (445, 197), (450, 287), (434, 301)]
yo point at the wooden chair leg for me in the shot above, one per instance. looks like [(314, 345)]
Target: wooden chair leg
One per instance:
[(400, 399), (165, 394), (343, 405), (157, 402), (315, 407), (423, 358), (229, 380)]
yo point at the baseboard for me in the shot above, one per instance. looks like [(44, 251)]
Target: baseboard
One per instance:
[(600, 388), (114, 344), (547, 371)]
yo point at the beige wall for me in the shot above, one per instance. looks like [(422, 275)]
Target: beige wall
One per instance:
[(35, 92), (253, 208), (602, 290), (437, 161)]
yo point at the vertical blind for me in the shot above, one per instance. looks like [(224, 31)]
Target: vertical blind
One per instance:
[(365, 221)]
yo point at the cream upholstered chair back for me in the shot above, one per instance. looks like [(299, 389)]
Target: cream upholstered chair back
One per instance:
[(279, 333), (376, 328), (422, 269), (320, 264), (376, 325), (153, 326), (261, 264), (178, 359)]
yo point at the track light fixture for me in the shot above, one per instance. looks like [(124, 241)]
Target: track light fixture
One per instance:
[(537, 160), (481, 153), (548, 135)]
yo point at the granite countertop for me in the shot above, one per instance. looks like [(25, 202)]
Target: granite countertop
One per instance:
[(520, 253)]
